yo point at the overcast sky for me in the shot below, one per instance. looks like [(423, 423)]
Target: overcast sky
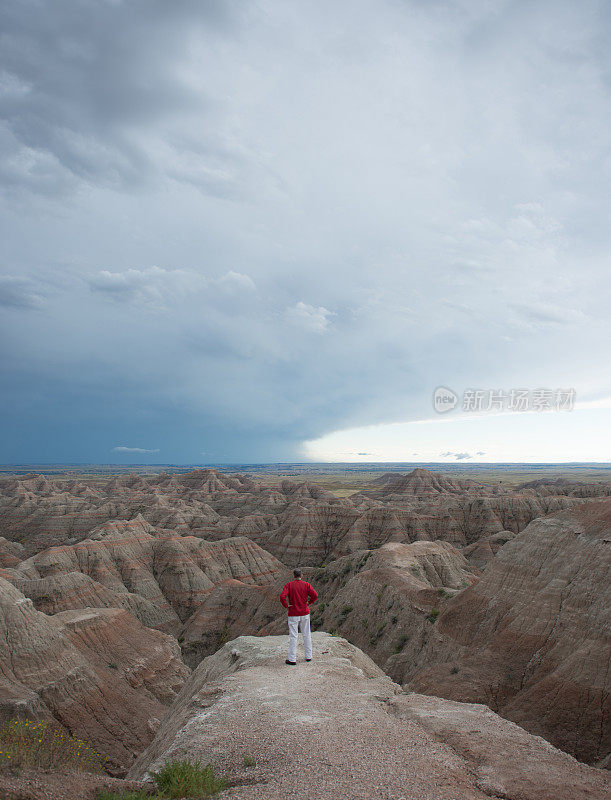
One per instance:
[(255, 231)]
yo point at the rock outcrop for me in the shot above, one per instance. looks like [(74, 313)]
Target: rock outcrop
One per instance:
[(386, 601), (99, 672), (338, 727), (296, 522), (382, 600), (507, 760), (74, 590), (422, 483), (531, 637), (164, 577), (148, 661), (232, 609), (563, 486), (11, 553), (202, 556), (34, 784), (480, 553)]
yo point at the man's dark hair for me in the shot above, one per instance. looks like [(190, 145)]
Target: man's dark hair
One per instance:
[(297, 573)]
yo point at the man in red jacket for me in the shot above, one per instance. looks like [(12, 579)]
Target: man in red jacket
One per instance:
[(295, 596)]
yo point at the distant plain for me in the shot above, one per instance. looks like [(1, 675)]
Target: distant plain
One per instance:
[(343, 479)]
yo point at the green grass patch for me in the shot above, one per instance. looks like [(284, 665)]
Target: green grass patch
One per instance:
[(176, 779), (179, 779)]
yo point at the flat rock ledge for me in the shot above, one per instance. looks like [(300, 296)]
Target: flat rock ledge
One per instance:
[(337, 727)]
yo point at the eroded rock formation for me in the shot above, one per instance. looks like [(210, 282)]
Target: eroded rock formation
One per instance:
[(531, 637), (386, 601), (338, 727), (164, 577), (293, 521), (399, 569), (99, 672)]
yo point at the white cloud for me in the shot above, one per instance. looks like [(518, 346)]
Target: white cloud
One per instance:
[(125, 449), (236, 281), (545, 314), (309, 317), (153, 286)]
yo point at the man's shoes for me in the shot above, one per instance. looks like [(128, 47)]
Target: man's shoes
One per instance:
[(308, 659), (292, 663)]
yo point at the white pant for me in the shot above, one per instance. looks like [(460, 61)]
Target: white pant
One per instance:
[(296, 623)]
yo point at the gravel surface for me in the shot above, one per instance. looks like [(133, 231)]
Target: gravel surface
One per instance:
[(335, 729), (316, 731), (39, 785)]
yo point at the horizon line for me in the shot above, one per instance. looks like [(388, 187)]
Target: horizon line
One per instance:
[(461, 463)]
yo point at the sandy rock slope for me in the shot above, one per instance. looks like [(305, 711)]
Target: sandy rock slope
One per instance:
[(339, 728)]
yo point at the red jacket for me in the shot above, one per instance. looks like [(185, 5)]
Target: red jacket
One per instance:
[(298, 593)]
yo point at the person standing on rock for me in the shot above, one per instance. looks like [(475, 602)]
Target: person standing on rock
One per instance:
[(295, 597)]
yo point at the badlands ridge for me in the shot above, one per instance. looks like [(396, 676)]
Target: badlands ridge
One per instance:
[(121, 599)]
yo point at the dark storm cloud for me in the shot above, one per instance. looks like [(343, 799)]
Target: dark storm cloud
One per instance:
[(16, 292), (82, 82), (233, 226)]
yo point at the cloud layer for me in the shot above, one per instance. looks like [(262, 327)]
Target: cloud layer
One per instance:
[(125, 449), (233, 227)]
